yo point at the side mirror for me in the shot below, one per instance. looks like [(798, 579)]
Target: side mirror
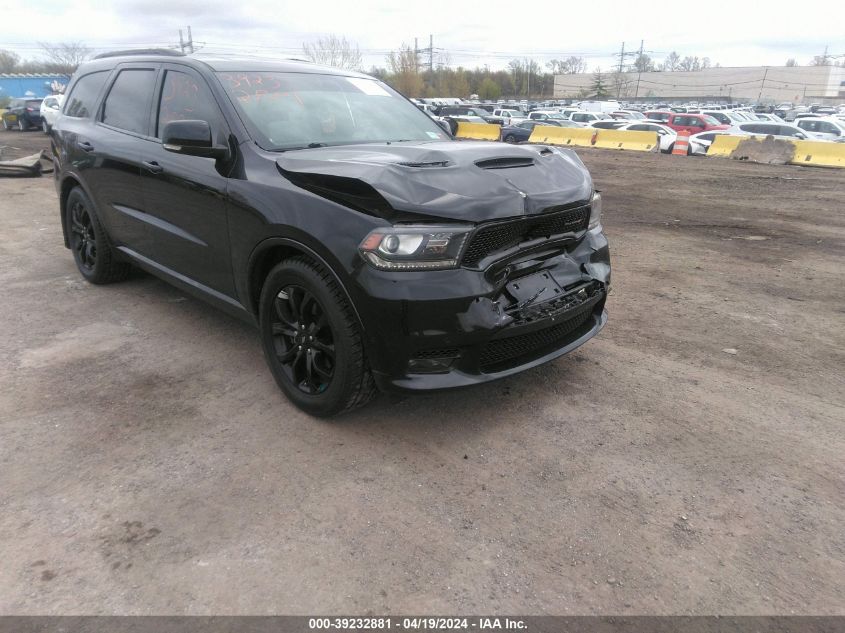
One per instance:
[(445, 126), (192, 138)]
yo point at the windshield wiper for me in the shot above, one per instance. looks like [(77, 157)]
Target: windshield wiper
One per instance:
[(293, 149)]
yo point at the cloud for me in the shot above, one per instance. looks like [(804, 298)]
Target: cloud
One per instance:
[(490, 33)]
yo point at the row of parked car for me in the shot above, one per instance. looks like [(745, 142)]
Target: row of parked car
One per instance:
[(703, 125), (24, 114)]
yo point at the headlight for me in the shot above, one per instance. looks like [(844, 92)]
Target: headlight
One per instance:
[(414, 247), (595, 211)]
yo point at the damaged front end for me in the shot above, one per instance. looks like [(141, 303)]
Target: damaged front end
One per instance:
[(486, 260)]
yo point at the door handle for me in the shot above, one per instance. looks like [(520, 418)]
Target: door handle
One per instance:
[(85, 146), (153, 167)]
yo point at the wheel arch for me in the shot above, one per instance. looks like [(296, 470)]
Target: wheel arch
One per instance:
[(273, 250), (69, 183)]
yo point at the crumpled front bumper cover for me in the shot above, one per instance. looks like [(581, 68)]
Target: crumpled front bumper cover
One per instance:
[(455, 328)]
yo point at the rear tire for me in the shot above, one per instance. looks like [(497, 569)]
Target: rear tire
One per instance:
[(96, 260), (6, 125), (23, 126), (312, 341), (44, 127), (510, 138)]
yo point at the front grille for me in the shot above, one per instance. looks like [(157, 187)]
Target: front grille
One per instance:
[(500, 236), (508, 352)]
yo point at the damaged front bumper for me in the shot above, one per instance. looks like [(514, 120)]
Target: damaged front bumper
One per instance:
[(452, 328)]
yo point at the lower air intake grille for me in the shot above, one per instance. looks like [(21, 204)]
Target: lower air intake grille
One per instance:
[(500, 236), (508, 352)]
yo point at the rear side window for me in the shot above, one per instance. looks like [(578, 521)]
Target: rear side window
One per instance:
[(128, 104), (82, 101)]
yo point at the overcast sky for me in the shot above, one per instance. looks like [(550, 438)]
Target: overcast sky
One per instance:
[(491, 32)]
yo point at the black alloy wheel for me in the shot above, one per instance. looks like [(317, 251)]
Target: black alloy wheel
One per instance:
[(83, 239), (312, 339), (92, 251), (303, 340)]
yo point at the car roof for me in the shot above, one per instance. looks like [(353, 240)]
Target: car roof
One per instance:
[(214, 62)]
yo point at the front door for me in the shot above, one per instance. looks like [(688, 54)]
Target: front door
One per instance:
[(186, 195)]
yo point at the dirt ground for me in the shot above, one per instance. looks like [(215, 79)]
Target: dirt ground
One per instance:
[(689, 460)]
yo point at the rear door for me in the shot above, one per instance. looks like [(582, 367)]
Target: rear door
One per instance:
[(185, 196)]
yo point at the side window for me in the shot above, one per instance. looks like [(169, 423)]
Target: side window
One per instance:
[(82, 101), (127, 104), (185, 98), (639, 128), (785, 130)]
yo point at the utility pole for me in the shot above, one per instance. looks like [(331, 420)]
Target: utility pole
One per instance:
[(416, 56), (431, 54), (189, 44), (640, 69), (762, 84), (619, 76)]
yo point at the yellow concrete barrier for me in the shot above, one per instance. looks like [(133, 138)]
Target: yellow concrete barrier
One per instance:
[(819, 153), (724, 145), (553, 135), (478, 131), (638, 141)]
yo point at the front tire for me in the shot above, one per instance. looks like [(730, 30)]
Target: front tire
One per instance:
[(312, 341), (94, 256), (44, 127), (6, 125), (510, 138)]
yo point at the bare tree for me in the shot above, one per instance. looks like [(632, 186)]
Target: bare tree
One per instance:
[(791, 62), (671, 62), (643, 64), (64, 57), (334, 51), (404, 72), (689, 63), (569, 66), (8, 61)]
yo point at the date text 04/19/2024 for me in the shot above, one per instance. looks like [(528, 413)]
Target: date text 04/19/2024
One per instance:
[(417, 624)]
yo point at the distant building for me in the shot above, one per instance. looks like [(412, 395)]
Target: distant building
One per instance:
[(768, 84), (31, 85)]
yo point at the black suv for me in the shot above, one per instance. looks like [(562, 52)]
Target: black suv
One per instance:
[(369, 247), (22, 114)]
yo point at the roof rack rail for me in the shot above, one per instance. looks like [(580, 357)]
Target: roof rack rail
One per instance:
[(169, 52)]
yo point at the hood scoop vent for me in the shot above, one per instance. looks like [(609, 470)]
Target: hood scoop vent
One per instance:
[(433, 163), (506, 163)]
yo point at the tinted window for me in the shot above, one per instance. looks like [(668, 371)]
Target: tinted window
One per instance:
[(185, 98), (127, 106), (640, 128), (82, 101)]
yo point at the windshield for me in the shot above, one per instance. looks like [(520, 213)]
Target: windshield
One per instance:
[(296, 110), (710, 120)]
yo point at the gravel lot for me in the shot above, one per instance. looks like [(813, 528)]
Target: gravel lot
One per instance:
[(688, 460)]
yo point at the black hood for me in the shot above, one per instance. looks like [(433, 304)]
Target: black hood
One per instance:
[(461, 180)]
